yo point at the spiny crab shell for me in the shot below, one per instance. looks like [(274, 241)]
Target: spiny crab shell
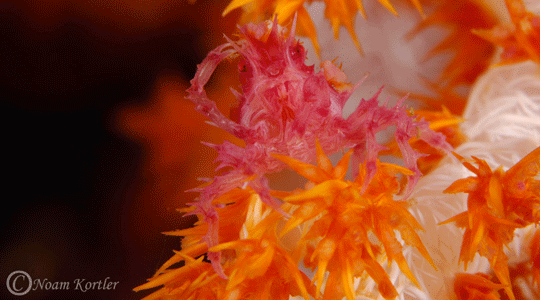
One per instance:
[(284, 107)]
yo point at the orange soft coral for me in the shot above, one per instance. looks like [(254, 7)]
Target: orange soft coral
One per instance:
[(257, 269), (521, 39), (476, 287), (535, 257), (471, 54), (498, 203), (337, 220), (195, 280), (339, 12), (253, 261), (261, 269), (233, 208)]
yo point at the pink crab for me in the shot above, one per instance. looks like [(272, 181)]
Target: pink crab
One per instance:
[(284, 107)]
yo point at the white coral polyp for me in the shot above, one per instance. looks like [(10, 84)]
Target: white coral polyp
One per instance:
[(505, 103)]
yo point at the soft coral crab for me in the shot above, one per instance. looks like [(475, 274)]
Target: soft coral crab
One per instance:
[(284, 106)]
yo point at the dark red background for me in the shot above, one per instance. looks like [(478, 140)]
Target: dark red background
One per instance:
[(71, 201)]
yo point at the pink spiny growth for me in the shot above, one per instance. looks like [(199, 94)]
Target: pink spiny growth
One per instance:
[(370, 118), (284, 106)]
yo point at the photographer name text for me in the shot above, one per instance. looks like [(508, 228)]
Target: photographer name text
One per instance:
[(20, 283)]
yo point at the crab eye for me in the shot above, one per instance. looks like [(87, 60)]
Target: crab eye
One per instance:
[(297, 52), (242, 67)]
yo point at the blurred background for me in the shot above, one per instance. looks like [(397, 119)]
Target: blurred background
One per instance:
[(99, 143)]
